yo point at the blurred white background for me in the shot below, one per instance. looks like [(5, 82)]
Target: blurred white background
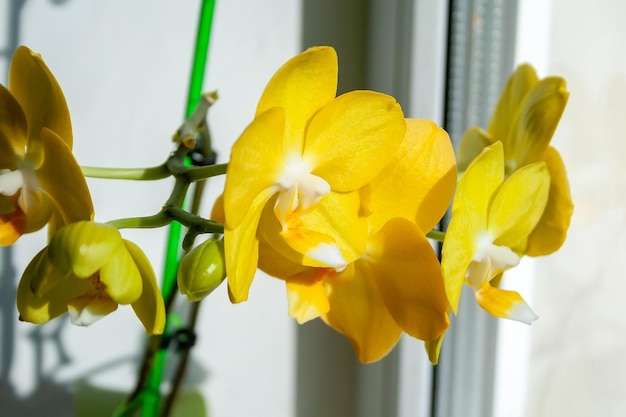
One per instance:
[(572, 362)]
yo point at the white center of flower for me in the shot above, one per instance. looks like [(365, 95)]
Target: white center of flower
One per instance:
[(24, 181), (488, 261), (501, 256), (11, 182), (299, 189)]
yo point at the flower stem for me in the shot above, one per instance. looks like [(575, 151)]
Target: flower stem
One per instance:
[(195, 222), (148, 222), (146, 174), (202, 173), (165, 170), (167, 216), (437, 235)]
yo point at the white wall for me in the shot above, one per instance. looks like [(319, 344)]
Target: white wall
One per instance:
[(124, 66), (578, 363)]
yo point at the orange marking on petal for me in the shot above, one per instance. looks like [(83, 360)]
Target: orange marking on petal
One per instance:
[(12, 226)]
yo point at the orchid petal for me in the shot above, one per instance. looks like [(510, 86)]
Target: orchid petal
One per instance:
[(479, 182), (7, 204), (302, 86), (456, 255), (469, 217), (518, 86), (270, 232), (121, 277), (472, 143), (13, 222), (550, 232), (539, 119), (408, 275), (40, 96), (41, 307), (37, 207), (87, 308), (504, 304), (61, 177), (307, 294), (419, 182), (241, 248), (314, 245), (275, 264), (256, 164), (478, 271), (45, 276), (331, 234), (55, 222), (518, 205), (433, 348), (13, 130), (358, 311), (350, 140), (338, 215), (82, 248), (217, 212), (149, 308)]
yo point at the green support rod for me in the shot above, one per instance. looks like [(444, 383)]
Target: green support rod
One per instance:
[(152, 391)]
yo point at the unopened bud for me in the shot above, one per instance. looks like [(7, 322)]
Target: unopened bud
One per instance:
[(201, 270)]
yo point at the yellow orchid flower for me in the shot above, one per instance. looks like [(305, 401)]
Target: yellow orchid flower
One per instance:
[(40, 181), (524, 120), (86, 271), (491, 220), (304, 146), (396, 285)]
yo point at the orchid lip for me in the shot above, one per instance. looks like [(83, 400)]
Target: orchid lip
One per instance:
[(299, 189), (91, 306), (489, 260), (501, 257), (329, 254), (310, 187)]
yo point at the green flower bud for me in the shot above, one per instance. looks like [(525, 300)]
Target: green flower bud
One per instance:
[(201, 270)]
